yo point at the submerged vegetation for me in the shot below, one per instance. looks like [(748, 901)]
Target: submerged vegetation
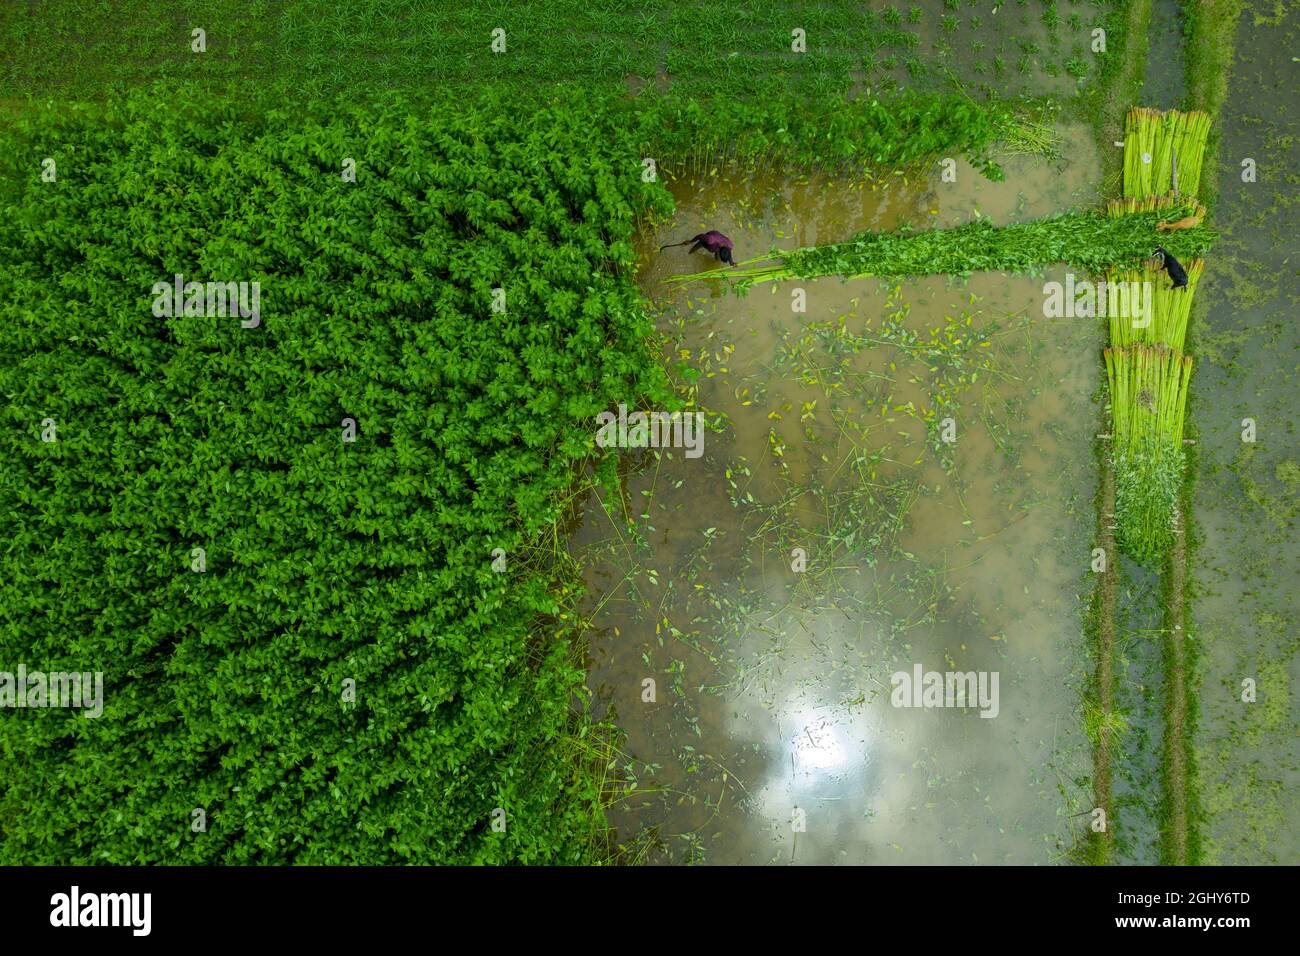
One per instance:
[(1245, 566), (1210, 31), (830, 447), (1147, 373)]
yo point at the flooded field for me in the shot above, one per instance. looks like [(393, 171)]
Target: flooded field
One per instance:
[(897, 477), (1016, 49), (1246, 570)]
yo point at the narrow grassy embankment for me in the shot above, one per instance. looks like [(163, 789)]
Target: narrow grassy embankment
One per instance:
[(1180, 804), (1100, 720), (1121, 83)]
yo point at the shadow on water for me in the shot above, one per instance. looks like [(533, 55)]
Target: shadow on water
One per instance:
[(771, 736)]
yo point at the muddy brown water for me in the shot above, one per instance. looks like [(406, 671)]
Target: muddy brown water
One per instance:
[(771, 736)]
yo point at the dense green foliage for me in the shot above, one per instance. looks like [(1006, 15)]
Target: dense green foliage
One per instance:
[(326, 561), (1091, 241), (789, 131), (330, 561)]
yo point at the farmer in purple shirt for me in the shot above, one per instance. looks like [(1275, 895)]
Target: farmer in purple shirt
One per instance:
[(714, 241)]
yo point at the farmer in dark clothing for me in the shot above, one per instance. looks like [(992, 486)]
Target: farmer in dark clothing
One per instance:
[(714, 241), (1175, 268)]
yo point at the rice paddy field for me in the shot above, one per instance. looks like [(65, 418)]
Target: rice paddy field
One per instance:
[(1021, 47), (916, 454)]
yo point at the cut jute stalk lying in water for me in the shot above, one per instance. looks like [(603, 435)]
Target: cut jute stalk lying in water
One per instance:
[(1090, 241)]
